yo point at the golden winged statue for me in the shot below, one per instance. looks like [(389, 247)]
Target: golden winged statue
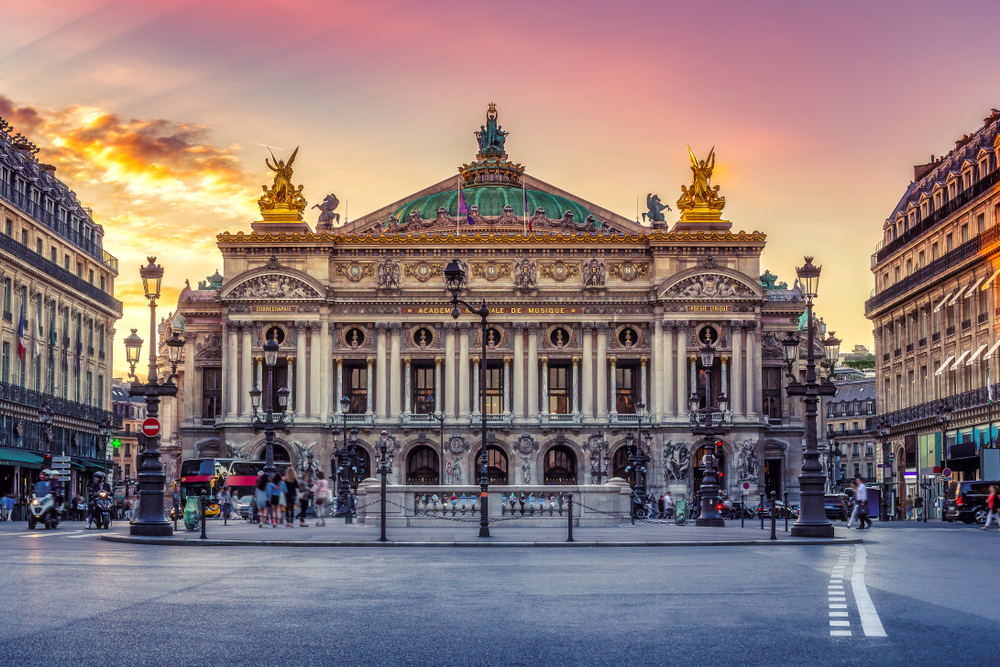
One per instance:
[(701, 194), (282, 195)]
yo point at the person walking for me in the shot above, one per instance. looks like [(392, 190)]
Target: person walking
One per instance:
[(320, 491), (305, 490), (261, 498), (861, 500), (274, 509), (668, 506), (291, 494), (993, 508)]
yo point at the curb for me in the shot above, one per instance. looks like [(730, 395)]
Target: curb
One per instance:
[(195, 542)]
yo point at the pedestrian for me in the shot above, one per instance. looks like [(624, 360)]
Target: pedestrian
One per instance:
[(274, 510), (993, 508), (661, 506), (918, 505), (322, 486), (261, 499), (128, 509), (861, 497), (305, 490), (291, 494), (668, 506)]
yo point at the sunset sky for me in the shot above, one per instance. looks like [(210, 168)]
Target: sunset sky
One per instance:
[(153, 111)]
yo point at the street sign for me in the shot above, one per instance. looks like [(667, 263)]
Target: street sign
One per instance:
[(746, 486), (891, 457), (448, 468), (60, 459), (946, 473), (151, 427)]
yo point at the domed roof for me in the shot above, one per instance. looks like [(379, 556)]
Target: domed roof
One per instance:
[(491, 200)]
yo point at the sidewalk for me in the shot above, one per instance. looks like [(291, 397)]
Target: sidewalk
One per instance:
[(466, 534)]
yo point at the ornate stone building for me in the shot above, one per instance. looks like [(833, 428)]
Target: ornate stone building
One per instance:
[(592, 315)]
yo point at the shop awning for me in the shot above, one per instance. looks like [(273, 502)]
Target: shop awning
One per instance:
[(975, 355), (992, 350), (956, 297), (972, 290), (960, 359), (87, 464), (10, 456), (944, 365), (942, 302), (992, 278)]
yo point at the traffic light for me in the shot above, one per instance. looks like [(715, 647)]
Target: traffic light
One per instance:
[(46, 461)]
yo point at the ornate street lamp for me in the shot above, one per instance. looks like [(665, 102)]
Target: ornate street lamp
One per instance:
[(385, 446), (45, 417), (455, 278), (267, 422), (175, 346), (599, 459), (149, 519), (637, 459), (812, 521), (705, 426), (882, 433), (345, 458)]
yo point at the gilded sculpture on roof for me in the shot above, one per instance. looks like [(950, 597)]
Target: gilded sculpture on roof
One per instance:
[(702, 195), (282, 196)]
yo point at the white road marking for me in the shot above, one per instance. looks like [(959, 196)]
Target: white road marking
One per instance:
[(838, 614), (840, 633), (838, 606), (840, 624), (870, 621)]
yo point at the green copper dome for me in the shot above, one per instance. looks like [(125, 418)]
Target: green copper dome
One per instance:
[(491, 200)]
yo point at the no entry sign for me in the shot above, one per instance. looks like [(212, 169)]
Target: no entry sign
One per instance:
[(151, 427)]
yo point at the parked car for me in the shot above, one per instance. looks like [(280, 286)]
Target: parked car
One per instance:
[(836, 506), (967, 501)]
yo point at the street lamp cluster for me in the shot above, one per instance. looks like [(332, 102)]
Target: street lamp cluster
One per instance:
[(709, 423), (267, 422), (346, 456)]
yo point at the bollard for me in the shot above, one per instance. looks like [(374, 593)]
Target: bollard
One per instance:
[(761, 511), (202, 503), (569, 506), (743, 512), (787, 511), (383, 538), (225, 513), (176, 512), (774, 498)]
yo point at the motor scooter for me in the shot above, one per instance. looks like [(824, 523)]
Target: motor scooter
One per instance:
[(43, 510), (103, 504)]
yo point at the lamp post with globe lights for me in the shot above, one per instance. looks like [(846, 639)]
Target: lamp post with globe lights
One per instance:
[(705, 425), (267, 422), (346, 456), (812, 521)]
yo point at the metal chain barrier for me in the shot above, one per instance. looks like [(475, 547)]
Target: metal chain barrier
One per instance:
[(476, 520)]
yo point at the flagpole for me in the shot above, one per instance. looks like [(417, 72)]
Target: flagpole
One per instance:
[(458, 212), (524, 205)]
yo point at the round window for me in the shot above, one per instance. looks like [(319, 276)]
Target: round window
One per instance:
[(355, 337), (277, 334), (708, 335), (628, 337), (423, 337), (493, 336), (559, 337)]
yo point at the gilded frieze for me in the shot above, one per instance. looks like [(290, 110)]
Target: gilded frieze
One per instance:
[(559, 271), (627, 270), (491, 270), (355, 271), (423, 271)]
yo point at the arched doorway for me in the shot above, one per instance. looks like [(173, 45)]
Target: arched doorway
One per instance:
[(422, 466), (278, 453), (496, 467), (619, 464), (560, 465), (697, 465), (360, 467)]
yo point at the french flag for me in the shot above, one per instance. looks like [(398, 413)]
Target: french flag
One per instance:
[(21, 343), (463, 208)]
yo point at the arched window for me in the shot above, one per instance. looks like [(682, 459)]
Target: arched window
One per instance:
[(560, 465), (619, 462), (278, 453), (360, 467), (422, 466), (496, 467)]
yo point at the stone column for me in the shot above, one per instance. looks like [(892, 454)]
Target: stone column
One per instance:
[(656, 386), (752, 371), (532, 373), (463, 372), (724, 380), (314, 364), (291, 386), (506, 386), (642, 384), (437, 384), (244, 391), (381, 371), (575, 386), (407, 391), (693, 365), (602, 371), (371, 393), (736, 400), (613, 393), (669, 402), (233, 385), (339, 389), (518, 372), (301, 406), (545, 385), (475, 386), (395, 371), (189, 381), (258, 379), (682, 355), (587, 373), (449, 373), (324, 372)]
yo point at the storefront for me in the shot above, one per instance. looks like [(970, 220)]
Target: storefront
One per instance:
[(18, 469)]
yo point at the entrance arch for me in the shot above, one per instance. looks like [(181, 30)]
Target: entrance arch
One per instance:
[(422, 466), (560, 466), (619, 463), (497, 469), (278, 453)]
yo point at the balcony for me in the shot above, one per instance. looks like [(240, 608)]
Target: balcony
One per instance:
[(950, 331), (936, 336), (966, 324), (922, 342), (8, 316), (897, 352), (52, 269), (36, 399), (885, 357), (561, 419), (983, 317), (909, 348)]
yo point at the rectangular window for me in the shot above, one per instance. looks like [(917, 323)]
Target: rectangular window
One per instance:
[(965, 232), (356, 386), (870, 471), (24, 237), (948, 243), (772, 392), (7, 298), (920, 260), (100, 391), (79, 270), (128, 471), (91, 277), (39, 246), (9, 227), (625, 389), (494, 388), (934, 251), (559, 389), (855, 449), (90, 388), (53, 255), (103, 286), (211, 392), (423, 389), (66, 262), (100, 340), (128, 448), (5, 368), (981, 223)]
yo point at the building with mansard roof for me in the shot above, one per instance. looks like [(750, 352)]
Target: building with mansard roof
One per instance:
[(592, 316)]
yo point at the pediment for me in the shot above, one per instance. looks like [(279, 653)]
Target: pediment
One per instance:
[(705, 282), (273, 281)]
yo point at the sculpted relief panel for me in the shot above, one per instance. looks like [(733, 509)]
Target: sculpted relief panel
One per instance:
[(709, 285), (273, 287)]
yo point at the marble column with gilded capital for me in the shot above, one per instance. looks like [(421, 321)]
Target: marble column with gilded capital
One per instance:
[(736, 344), (532, 412), (381, 373), (371, 393), (339, 388), (752, 393), (324, 372), (643, 384), (233, 386), (613, 379), (545, 385), (682, 362), (438, 394), (587, 373), (602, 371), (407, 380), (575, 387), (301, 405), (667, 358), (449, 373), (476, 399), (190, 386), (395, 371), (518, 332), (463, 372), (246, 371), (656, 385), (506, 385), (314, 370)]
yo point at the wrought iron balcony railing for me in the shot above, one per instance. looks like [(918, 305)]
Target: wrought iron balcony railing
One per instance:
[(973, 398), (61, 406)]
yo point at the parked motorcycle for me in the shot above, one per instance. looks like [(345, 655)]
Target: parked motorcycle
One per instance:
[(43, 510), (103, 506)]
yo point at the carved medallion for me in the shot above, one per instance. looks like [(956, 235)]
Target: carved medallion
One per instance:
[(627, 270), (423, 271), (491, 271), (356, 271), (560, 271)]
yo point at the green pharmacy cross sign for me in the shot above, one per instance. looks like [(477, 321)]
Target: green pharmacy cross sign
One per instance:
[(116, 443)]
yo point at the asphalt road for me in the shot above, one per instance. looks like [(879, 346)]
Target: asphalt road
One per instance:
[(931, 590)]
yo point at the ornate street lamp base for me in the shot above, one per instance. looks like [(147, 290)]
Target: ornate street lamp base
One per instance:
[(711, 522), (812, 529), (151, 529)]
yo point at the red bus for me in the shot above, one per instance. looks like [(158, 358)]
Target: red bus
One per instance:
[(212, 475)]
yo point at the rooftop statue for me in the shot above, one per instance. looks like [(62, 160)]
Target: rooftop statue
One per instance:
[(655, 213), (491, 137), (701, 194), (326, 212), (282, 195)]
